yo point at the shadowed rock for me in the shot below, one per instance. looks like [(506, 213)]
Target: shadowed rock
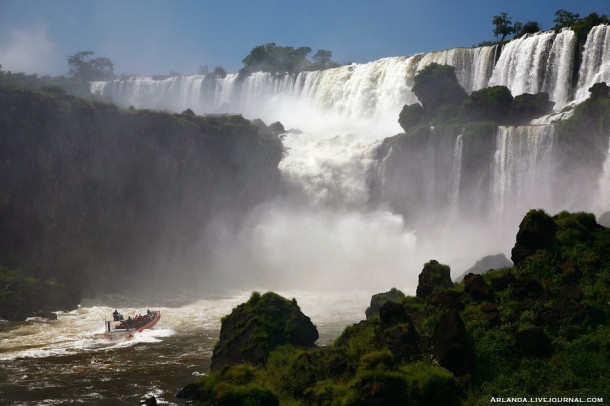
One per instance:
[(433, 276), (255, 328), (536, 231)]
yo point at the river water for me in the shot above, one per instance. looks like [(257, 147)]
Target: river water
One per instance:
[(65, 361)]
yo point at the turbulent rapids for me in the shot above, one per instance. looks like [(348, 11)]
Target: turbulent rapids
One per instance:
[(53, 362)]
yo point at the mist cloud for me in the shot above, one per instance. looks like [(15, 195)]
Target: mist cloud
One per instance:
[(28, 50)]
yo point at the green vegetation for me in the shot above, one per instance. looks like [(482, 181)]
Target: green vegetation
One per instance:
[(91, 70), (23, 296), (444, 102), (543, 332), (581, 26), (277, 59), (255, 328)]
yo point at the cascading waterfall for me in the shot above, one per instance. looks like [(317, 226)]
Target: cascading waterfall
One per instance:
[(345, 112), (473, 66), (537, 63), (456, 171), (522, 168), (595, 61), (603, 196)]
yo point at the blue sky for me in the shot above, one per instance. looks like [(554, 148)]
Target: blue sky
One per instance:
[(159, 36)]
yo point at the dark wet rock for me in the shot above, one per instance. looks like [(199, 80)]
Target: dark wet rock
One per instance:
[(527, 287), (476, 287), (402, 340), (277, 128), (486, 263), (449, 299), (532, 342), (502, 282), (393, 313), (450, 345), (415, 314), (255, 328), (379, 299), (151, 401), (192, 391), (537, 231), (433, 276)]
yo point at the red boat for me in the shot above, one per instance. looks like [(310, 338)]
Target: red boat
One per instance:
[(128, 327)]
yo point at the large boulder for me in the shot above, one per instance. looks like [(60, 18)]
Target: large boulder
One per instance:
[(537, 231), (255, 328), (477, 288), (450, 344), (433, 276), (377, 300)]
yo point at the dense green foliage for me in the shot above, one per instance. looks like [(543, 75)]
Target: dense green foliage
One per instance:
[(90, 70), (543, 332), (277, 59), (74, 86), (255, 328), (580, 26), (503, 25)]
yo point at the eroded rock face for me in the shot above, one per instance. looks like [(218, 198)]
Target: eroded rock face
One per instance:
[(434, 275), (536, 231), (450, 346), (377, 300), (477, 288), (256, 327)]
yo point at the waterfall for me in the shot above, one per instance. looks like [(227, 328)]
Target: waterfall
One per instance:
[(333, 218), (536, 63), (473, 66), (522, 168), (603, 196), (595, 66), (456, 172)]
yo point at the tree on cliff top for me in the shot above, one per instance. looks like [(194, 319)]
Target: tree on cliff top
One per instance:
[(504, 26), (100, 68), (277, 59)]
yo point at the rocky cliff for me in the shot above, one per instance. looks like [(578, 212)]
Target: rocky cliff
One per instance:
[(93, 195)]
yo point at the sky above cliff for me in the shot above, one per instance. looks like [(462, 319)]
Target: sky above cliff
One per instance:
[(159, 36)]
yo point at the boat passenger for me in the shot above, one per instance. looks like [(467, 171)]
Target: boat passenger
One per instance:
[(116, 315)]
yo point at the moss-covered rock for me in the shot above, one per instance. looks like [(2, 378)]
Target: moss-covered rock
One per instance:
[(377, 300), (433, 276), (255, 328), (23, 296), (536, 231)]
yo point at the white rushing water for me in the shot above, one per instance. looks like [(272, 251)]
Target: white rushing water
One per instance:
[(523, 165), (343, 114), (595, 61)]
